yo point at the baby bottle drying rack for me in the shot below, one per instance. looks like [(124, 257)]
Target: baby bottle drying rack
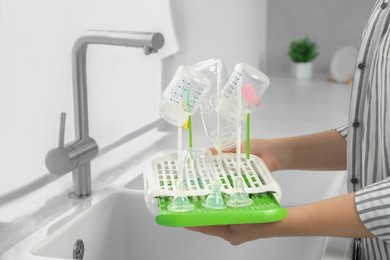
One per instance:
[(196, 188), (160, 188)]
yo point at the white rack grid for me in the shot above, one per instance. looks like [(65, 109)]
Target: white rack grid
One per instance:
[(161, 177)]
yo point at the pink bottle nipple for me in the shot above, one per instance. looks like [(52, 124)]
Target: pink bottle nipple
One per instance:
[(249, 95)]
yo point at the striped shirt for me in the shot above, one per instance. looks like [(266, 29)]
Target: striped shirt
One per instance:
[(368, 133)]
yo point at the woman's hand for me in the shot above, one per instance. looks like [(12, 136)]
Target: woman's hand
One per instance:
[(262, 148), (331, 217), (236, 234), (319, 151)]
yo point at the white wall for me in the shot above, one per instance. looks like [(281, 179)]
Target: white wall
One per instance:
[(36, 81), (233, 30), (123, 84)]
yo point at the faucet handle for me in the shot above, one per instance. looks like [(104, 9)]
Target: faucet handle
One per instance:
[(62, 130), (62, 159)]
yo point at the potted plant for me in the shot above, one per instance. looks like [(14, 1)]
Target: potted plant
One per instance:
[(302, 52)]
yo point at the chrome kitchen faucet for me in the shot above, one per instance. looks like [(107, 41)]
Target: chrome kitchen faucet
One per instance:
[(76, 155)]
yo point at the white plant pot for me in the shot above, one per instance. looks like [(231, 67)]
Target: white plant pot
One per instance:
[(302, 70)]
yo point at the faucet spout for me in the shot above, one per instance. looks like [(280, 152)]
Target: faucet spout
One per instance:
[(150, 42), (76, 156)]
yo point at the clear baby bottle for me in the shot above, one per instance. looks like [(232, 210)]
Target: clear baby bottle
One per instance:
[(183, 95), (242, 93)]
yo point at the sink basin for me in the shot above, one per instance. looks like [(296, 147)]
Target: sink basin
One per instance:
[(115, 224), (120, 227)]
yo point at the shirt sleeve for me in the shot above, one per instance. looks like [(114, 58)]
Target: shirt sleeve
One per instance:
[(343, 130), (373, 207)]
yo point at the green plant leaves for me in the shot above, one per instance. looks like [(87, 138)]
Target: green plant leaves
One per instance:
[(303, 50)]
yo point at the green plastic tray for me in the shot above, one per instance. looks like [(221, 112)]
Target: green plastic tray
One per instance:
[(265, 208)]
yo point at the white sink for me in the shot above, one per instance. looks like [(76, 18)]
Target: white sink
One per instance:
[(115, 224), (120, 227)]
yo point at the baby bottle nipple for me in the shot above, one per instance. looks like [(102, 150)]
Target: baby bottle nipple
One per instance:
[(215, 200), (180, 202), (239, 197)]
